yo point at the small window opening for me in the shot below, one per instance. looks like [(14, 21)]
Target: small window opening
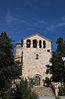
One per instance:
[(48, 50), (40, 43), (34, 43), (37, 56)]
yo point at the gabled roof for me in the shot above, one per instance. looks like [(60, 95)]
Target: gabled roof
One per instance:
[(38, 35), (18, 43)]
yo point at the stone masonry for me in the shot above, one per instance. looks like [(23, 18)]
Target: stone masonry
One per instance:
[(34, 59)]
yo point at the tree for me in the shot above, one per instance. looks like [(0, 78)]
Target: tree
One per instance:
[(9, 69), (8, 66), (57, 69)]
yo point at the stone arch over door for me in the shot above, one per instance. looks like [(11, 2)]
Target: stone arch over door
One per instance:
[(36, 80)]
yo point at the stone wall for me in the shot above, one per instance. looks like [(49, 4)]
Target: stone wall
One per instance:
[(31, 65)]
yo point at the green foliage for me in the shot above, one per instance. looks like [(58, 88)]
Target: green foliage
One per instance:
[(31, 82), (57, 97), (23, 91), (33, 95), (6, 51), (7, 94), (57, 69), (62, 90), (8, 67), (47, 82)]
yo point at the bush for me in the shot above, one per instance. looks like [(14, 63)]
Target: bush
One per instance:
[(34, 96), (47, 82), (22, 91), (31, 82), (62, 90), (57, 97)]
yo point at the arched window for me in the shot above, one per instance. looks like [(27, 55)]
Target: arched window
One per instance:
[(35, 43), (28, 43), (44, 44), (40, 43)]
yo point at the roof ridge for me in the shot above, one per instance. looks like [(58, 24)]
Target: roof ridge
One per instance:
[(38, 35)]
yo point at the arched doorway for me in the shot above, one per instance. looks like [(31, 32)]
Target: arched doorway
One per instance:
[(36, 80)]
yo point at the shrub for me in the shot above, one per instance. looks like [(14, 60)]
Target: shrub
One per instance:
[(47, 82), (62, 90), (22, 91), (34, 96), (57, 97), (31, 82)]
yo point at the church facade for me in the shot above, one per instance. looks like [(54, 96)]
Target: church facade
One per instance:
[(34, 53)]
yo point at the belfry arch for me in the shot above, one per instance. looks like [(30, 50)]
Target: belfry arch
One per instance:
[(34, 43)]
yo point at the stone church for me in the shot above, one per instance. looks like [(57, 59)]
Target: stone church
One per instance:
[(34, 54)]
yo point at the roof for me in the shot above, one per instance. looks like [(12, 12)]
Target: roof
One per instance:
[(18, 43), (38, 35)]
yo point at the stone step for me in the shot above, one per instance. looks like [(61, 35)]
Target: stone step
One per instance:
[(43, 91)]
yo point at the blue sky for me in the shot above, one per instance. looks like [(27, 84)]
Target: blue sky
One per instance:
[(21, 18)]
